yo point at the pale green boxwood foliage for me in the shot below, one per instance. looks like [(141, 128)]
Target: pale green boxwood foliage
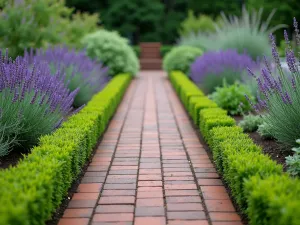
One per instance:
[(180, 58), (113, 51)]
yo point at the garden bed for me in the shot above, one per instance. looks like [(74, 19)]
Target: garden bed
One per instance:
[(257, 183), (31, 191), (269, 146)]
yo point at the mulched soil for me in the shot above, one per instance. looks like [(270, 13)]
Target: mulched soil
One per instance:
[(271, 148), (10, 160)]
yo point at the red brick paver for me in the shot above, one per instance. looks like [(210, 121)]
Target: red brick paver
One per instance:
[(150, 167)]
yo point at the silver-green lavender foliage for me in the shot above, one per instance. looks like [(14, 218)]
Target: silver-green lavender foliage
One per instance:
[(281, 93), (250, 122), (293, 162)]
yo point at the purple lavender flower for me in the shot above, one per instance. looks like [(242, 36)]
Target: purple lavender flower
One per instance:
[(33, 101), (76, 69), (212, 68)]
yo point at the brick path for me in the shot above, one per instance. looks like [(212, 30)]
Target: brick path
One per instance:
[(150, 167)]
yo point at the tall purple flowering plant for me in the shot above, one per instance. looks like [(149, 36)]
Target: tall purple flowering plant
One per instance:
[(33, 102), (78, 69), (281, 93), (212, 68)]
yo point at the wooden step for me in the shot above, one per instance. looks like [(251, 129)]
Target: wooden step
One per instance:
[(151, 64)]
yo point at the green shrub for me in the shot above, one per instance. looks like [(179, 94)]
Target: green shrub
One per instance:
[(196, 104), (79, 25), (193, 24), (184, 87), (113, 51), (240, 166), (293, 162), (257, 183), (220, 134), (31, 24), (31, 191), (165, 49), (264, 131), (232, 98), (180, 58), (213, 117), (273, 201), (137, 50), (250, 123)]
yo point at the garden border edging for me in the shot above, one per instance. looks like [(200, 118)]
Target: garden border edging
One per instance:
[(252, 176), (31, 191)]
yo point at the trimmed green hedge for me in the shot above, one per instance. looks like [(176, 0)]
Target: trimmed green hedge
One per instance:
[(258, 184), (31, 191)]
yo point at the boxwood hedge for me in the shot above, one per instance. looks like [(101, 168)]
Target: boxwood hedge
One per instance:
[(263, 191), (31, 191)]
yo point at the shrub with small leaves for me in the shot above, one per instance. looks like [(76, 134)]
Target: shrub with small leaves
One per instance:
[(232, 98), (33, 103), (293, 162), (180, 58), (250, 123), (113, 51)]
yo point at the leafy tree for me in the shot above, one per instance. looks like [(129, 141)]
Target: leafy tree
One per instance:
[(137, 20), (286, 10)]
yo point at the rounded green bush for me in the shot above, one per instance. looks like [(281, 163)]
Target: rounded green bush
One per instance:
[(113, 51), (180, 58)]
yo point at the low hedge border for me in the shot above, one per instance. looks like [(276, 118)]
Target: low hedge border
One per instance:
[(258, 184), (31, 191)]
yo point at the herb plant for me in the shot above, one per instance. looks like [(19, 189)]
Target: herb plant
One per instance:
[(212, 68), (281, 94), (77, 70), (232, 98), (293, 162), (251, 122), (33, 103)]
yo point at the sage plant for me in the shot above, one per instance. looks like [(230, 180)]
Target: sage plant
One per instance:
[(32, 103), (80, 71), (281, 93)]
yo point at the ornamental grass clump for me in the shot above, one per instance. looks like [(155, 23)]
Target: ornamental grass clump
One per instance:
[(212, 68), (77, 69), (33, 103), (281, 94)]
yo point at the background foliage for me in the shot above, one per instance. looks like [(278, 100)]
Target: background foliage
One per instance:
[(160, 23)]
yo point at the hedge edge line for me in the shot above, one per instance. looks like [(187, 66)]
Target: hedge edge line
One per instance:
[(258, 184), (32, 191)]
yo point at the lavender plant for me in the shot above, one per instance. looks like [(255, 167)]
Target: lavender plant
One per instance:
[(281, 94), (80, 71), (33, 103), (212, 68)]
